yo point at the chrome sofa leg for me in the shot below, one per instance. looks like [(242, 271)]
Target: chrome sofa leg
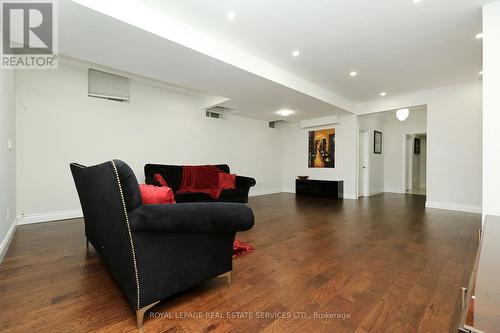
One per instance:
[(140, 314)]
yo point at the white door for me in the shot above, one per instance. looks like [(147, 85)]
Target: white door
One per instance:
[(362, 164)]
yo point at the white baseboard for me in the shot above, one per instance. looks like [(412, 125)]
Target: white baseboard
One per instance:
[(375, 192), (394, 190), (49, 217), (4, 246), (453, 206), (256, 193)]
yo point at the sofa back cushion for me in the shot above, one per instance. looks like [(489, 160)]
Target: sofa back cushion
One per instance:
[(171, 173)]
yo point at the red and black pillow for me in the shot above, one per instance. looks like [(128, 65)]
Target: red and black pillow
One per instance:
[(154, 195)]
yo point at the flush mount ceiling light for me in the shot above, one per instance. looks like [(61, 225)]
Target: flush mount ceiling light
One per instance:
[(383, 93), (417, 1), (285, 112), (402, 114), (296, 53), (479, 35), (353, 74), (231, 15)]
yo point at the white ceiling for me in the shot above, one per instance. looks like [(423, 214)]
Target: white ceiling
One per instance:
[(94, 37), (395, 45)]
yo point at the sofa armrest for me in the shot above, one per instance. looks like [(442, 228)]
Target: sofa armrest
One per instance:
[(242, 181), (192, 218)]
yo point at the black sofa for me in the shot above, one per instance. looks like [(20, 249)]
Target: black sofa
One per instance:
[(154, 251), (173, 175)]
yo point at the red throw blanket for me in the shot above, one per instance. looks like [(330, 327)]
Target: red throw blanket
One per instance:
[(206, 179), (240, 248)]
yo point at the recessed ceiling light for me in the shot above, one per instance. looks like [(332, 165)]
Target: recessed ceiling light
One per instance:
[(353, 74), (383, 93), (479, 35), (284, 112), (417, 1), (231, 15), (296, 53), (402, 114)]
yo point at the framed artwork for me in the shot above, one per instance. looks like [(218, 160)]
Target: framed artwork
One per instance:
[(416, 146), (322, 148), (377, 142)]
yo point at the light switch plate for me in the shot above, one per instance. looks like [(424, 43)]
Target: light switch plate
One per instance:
[(10, 145)]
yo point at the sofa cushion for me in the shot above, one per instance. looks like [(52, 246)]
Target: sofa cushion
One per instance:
[(171, 173), (232, 195)]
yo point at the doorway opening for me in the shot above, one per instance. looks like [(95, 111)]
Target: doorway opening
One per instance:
[(416, 163), (392, 152)]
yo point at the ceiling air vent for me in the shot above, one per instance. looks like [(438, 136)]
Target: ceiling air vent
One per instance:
[(215, 115), (275, 123), (218, 112), (108, 86)]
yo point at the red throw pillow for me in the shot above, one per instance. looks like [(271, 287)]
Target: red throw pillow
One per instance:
[(152, 195), (159, 178), (227, 181)]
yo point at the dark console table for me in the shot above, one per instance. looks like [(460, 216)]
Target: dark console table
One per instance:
[(320, 188)]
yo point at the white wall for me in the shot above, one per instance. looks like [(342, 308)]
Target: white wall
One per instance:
[(491, 110), (296, 151), (58, 124), (376, 175), (454, 141), (395, 147), (7, 158)]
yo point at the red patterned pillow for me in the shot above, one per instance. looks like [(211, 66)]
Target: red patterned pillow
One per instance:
[(227, 181), (152, 195)]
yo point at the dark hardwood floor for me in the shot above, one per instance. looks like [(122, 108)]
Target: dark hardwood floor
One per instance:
[(384, 262)]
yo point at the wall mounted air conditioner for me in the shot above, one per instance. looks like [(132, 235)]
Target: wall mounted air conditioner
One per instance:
[(108, 86)]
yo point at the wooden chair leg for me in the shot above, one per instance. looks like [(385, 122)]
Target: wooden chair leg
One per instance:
[(87, 244), (228, 275), (140, 314)]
